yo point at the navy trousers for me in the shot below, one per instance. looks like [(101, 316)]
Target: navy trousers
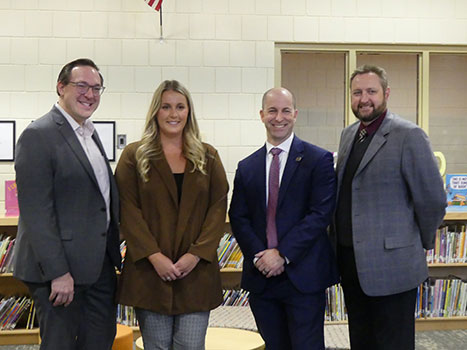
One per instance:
[(288, 319)]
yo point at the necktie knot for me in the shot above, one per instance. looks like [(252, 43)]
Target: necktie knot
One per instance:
[(362, 135), (275, 151)]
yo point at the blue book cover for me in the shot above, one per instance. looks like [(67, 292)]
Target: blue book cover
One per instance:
[(456, 191)]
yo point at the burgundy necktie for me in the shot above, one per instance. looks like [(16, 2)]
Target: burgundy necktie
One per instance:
[(271, 231)]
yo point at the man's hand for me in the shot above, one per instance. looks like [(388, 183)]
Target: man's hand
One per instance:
[(62, 290), (270, 263), (187, 263), (164, 267)]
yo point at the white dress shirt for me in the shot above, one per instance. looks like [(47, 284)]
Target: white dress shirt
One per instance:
[(95, 157), (285, 147)]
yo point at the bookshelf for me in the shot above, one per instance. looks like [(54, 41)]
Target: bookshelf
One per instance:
[(11, 286), (231, 278)]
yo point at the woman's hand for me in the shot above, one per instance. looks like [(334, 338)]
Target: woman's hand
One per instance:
[(186, 263), (164, 267)]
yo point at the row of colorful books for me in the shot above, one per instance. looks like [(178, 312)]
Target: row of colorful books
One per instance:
[(126, 315), (12, 309), (442, 298), (229, 253), (234, 297), (6, 253), (450, 245), (335, 305)]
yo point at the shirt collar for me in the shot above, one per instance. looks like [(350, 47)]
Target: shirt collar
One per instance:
[(374, 125), (284, 146), (86, 130)]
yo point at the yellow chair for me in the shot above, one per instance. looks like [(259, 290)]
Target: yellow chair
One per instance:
[(123, 338)]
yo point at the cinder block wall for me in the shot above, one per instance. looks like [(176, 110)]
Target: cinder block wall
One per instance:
[(222, 50)]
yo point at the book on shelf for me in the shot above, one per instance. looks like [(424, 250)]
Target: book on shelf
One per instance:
[(126, 315), (441, 298), (450, 246), (456, 192), (12, 309), (229, 253), (335, 306), (11, 198), (6, 253), (234, 297)]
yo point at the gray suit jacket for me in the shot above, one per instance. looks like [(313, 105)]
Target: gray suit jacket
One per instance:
[(63, 222), (398, 202)]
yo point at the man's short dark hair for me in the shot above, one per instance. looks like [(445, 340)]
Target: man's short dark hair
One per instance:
[(368, 68), (65, 73)]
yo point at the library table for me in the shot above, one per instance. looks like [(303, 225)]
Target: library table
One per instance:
[(227, 339)]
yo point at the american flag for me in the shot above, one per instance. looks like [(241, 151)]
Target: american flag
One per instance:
[(152, 2)]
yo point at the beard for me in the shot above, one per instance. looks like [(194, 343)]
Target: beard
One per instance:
[(368, 118)]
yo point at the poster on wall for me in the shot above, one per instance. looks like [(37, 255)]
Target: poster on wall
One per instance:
[(106, 131), (456, 191), (7, 140)]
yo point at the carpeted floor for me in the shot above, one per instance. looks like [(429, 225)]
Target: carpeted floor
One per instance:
[(436, 340), (336, 336)]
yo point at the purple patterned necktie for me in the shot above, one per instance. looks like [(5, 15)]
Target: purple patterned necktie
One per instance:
[(271, 231)]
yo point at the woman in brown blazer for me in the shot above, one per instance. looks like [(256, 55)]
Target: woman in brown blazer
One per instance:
[(173, 196)]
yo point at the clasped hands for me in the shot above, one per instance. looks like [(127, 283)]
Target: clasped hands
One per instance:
[(269, 262), (169, 271)]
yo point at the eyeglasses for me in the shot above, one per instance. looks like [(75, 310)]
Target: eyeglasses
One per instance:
[(83, 88)]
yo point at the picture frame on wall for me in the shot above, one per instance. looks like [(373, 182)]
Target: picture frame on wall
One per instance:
[(106, 131), (7, 140)]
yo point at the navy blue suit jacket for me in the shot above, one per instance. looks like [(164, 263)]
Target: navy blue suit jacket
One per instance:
[(305, 206)]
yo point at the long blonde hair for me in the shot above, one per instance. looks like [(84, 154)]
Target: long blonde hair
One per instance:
[(151, 147)]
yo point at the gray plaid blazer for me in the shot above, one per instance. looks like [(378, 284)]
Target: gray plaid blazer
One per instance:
[(398, 202)]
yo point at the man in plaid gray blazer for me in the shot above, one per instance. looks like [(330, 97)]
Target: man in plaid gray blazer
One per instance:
[(390, 202)]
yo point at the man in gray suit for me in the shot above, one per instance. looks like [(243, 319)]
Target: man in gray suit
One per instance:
[(67, 246), (390, 203)]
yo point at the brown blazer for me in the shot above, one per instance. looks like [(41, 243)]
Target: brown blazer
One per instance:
[(152, 221)]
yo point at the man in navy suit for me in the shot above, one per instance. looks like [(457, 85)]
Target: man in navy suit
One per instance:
[(288, 258)]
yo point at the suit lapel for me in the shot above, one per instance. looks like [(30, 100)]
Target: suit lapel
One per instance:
[(259, 177), (255, 178), (190, 192), (379, 139), (293, 160), (162, 167), (344, 151), (70, 137)]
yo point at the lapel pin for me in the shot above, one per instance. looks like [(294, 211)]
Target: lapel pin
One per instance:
[(298, 159)]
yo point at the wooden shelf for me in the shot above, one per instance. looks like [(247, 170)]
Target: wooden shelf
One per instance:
[(231, 270), (461, 216), (19, 336), (441, 323), (231, 278), (8, 220), (12, 286), (442, 265)]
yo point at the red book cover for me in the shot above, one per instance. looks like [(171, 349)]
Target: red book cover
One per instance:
[(11, 198)]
